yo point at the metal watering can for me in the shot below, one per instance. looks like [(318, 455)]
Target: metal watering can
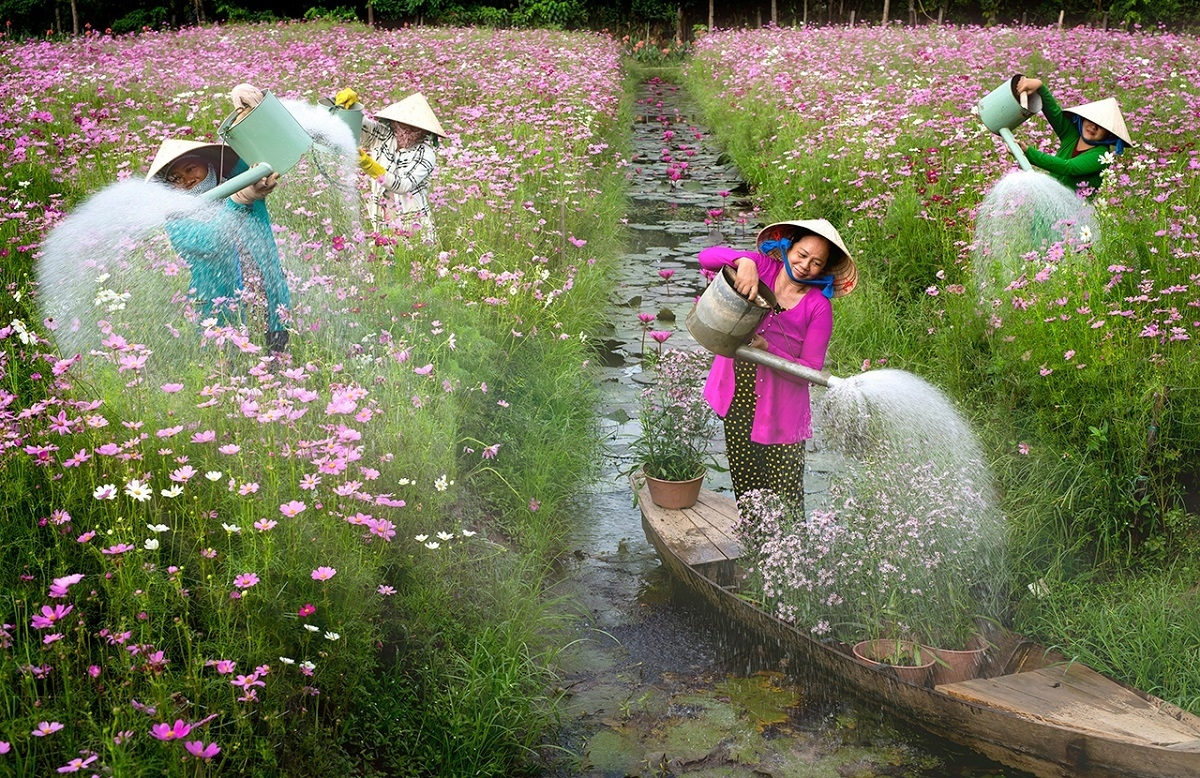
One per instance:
[(1002, 111), (723, 322), (352, 116), (266, 135)]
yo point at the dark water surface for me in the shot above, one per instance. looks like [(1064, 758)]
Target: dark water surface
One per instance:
[(655, 685)]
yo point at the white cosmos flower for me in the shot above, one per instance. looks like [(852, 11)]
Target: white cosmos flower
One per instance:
[(287, 660), (431, 545), (312, 628), (466, 533), (158, 528), (174, 491), (445, 536), (420, 538), (307, 665), (332, 636), (213, 475), (151, 544), (231, 527), (138, 490)]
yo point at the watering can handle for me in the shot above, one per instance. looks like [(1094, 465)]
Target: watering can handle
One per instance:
[(1025, 100), (238, 182)]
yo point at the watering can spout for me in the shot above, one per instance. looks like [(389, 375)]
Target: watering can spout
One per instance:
[(238, 182)]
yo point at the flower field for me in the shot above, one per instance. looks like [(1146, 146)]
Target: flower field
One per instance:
[(1075, 357), (218, 563)]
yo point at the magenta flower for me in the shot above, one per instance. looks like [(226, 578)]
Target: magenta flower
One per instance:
[(117, 550), (50, 615), (323, 573), (197, 749), (5, 747), (245, 580), (307, 609), (534, 504), (660, 335), (666, 274), (175, 731), (645, 318), (46, 728)]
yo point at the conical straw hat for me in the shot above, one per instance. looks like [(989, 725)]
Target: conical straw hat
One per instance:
[(413, 110), (1107, 114), (845, 274), (171, 149)]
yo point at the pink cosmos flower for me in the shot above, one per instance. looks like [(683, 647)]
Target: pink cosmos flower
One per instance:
[(265, 525), (5, 746), (385, 590), (245, 580), (50, 616), (323, 573), (197, 749), (117, 550), (46, 728), (293, 508), (175, 731), (77, 764), (172, 388), (307, 609), (534, 505), (85, 537), (425, 370)]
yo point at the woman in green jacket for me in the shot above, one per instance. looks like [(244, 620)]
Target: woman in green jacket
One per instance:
[(1087, 133)]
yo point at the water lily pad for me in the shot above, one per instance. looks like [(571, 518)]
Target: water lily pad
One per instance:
[(765, 697)]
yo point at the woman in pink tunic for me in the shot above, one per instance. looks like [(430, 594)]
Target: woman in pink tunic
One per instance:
[(767, 413)]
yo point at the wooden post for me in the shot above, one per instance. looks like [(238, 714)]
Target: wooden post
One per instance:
[(1060, 19), (679, 23), (852, 17), (758, 18)]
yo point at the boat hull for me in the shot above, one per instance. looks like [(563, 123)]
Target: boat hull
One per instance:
[(1008, 736)]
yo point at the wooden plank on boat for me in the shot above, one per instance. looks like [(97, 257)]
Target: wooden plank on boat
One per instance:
[(1075, 696), (690, 532)]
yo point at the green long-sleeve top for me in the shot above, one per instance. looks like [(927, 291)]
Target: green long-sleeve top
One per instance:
[(1068, 168), (213, 249)]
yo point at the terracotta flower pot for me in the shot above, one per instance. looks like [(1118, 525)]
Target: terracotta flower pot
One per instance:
[(877, 653), (954, 666), (674, 494)]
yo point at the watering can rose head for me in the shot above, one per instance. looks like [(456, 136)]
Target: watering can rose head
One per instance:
[(776, 240)]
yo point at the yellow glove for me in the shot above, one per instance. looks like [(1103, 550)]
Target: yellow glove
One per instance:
[(345, 98), (369, 165)]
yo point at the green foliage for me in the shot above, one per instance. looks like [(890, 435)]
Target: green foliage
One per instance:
[(339, 13), (140, 18), (552, 14), (236, 13)]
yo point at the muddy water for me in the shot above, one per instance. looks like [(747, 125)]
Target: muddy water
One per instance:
[(655, 686)]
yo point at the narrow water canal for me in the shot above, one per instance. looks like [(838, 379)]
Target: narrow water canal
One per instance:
[(655, 685)]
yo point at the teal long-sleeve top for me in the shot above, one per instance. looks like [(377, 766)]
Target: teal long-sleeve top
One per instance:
[(214, 249), (1066, 167)]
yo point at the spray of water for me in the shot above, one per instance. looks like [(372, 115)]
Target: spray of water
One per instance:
[(1026, 221), (892, 425)]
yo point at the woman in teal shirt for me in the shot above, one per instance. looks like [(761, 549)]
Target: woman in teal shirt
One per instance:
[(216, 248), (1087, 133)]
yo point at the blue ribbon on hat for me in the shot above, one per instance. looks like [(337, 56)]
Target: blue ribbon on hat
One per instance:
[(824, 283)]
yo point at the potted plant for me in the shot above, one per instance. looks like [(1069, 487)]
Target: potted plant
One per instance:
[(676, 427), (901, 550)]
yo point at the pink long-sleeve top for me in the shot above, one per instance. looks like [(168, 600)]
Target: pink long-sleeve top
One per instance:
[(782, 413)]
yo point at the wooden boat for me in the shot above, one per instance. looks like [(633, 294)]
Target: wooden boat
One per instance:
[(1031, 709)]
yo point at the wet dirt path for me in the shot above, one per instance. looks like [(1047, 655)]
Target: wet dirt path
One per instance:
[(655, 687)]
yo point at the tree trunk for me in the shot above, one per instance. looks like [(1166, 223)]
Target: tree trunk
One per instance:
[(370, 13), (710, 15), (1060, 19), (679, 23), (200, 12), (805, 13), (887, 5), (774, 14), (912, 13), (852, 17), (74, 18), (758, 18)]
